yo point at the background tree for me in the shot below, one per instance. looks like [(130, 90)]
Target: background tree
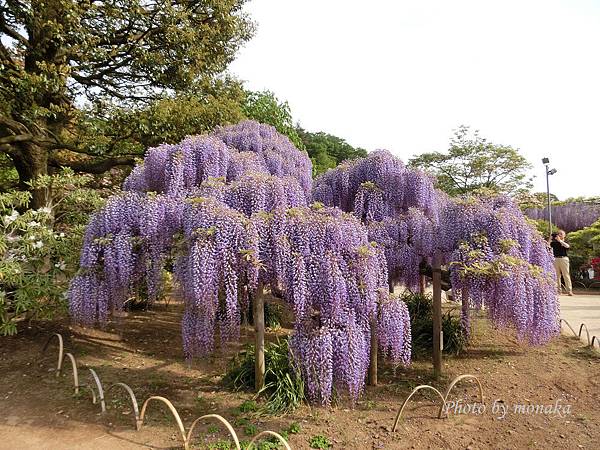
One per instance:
[(528, 200), (327, 151), (585, 245), (265, 107), (56, 55), (474, 165)]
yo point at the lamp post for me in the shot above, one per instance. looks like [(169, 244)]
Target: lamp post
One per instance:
[(549, 172)]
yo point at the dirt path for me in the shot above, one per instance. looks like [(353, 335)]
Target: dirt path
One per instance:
[(38, 410)]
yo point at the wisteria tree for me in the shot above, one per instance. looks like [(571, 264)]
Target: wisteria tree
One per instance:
[(570, 215), (499, 260), (231, 211), (495, 257)]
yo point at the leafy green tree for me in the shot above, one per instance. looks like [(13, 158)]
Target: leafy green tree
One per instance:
[(170, 119), (585, 243), (9, 178), (474, 165), (265, 107), (57, 55), (327, 151), (534, 199), (543, 226)]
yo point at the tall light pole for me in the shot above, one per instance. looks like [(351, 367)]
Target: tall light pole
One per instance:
[(549, 172)]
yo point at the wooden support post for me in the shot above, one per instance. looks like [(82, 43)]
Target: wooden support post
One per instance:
[(422, 283), (259, 328), (465, 318), (437, 316), (374, 350)]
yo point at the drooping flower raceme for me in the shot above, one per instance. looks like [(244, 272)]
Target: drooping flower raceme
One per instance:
[(498, 260), (399, 206), (331, 275), (219, 253)]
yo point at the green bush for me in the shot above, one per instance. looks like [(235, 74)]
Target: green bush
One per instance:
[(284, 388), (39, 248), (420, 308)]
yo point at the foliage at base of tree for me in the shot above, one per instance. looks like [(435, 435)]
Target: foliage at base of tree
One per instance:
[(284, 389), (420, 308)]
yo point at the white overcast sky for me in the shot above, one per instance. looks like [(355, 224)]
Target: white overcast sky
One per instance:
[(403, 75)]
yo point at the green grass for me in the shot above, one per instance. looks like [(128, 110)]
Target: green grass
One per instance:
[(248, 406), (294, 428), (250, 430), (320, 442)]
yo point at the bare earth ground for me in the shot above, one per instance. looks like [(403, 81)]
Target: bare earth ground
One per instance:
[(39, 410)]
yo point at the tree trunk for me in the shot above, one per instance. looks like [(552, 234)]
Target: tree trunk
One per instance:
[(437, 316), (259, 328), (422, 284), (373, 353), (31, 161)]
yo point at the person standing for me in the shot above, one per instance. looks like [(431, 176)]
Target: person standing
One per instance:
[(561, 260)]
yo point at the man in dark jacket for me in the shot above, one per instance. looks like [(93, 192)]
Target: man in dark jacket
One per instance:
[(561, 260)]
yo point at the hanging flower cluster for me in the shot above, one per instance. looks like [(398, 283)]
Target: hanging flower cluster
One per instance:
[(332, 276), (229, 152), (407, 240), (111, 259), (399, 205), (393, 330), (218, 257), (377, 186), (498, 260)]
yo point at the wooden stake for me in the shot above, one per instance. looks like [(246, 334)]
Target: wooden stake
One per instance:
[(437, 316), (422, 283), (259, 328), (374, 350)]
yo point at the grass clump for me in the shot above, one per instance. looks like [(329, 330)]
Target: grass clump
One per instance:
[(420, 309), (284, 389), (320, 442)]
